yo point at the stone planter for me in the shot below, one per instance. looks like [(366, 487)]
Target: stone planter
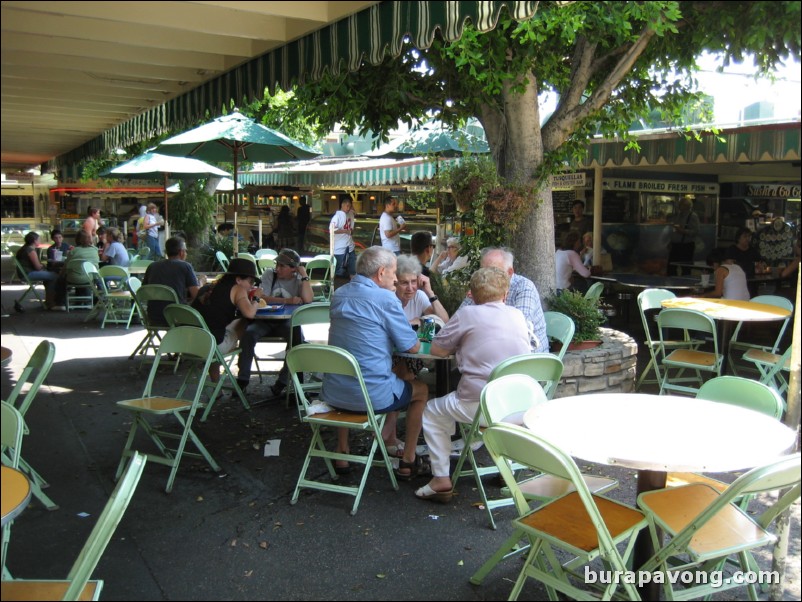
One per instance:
[(610, 367)]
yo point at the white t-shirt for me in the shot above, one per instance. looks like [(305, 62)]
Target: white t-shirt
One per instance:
[(386, 222), (345, 241), (417, 305), (735, 283)]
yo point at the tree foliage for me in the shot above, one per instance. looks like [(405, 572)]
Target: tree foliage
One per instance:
[(610, 63), (192, 211)]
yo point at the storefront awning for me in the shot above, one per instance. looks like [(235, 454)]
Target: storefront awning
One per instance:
[(777, 142), (369, 35), (347, 174)]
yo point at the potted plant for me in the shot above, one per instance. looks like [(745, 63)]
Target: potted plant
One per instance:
[(586, 316)]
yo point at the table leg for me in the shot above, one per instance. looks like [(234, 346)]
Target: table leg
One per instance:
[(443, 378), (724, 336), (648, 480)]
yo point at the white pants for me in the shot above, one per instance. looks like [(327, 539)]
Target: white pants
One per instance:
[(439, 422)]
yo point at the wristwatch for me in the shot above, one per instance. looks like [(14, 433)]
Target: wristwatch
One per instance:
[(304, 278), (433, 299)]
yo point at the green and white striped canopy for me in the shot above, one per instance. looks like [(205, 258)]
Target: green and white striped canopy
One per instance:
[(367, 36)]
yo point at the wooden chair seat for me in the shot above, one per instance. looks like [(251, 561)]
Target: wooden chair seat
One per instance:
[(689, 356), (46, 590), (156, 405)]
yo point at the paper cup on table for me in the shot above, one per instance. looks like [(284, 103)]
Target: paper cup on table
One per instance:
[(57, 255), (705, 279)]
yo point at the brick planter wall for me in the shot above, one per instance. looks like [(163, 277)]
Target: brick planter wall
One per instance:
[(608, 368)]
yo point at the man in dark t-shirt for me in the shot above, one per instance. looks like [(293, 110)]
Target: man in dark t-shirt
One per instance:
[(174, 272), (303, 216)]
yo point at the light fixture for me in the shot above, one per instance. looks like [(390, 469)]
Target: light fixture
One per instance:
[(334, 197), (295, 197), (372, 198)]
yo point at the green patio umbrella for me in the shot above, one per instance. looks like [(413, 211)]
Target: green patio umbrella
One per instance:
[(236, 138), (154, 166)]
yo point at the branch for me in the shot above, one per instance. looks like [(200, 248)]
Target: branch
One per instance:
[(569, 114)]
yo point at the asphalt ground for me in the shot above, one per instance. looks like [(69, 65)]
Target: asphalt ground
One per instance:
[(234, 535)]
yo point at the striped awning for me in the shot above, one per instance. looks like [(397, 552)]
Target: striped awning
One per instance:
[(346, 174), (369, 35), (777, 142)]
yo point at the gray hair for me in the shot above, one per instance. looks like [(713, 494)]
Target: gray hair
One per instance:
[(453, 241), (500, 257), (408, 264), (372, 259)]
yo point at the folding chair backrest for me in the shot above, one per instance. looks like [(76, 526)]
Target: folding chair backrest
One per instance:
[(93, 276), (595, 290), (651, 299), (11, 427), (34, 373), (321, 267), (265, 263), (743, 392), (178, 314), (153, 292), (686, 319), (133, 284), (777, 301), (559, 327), (312, 313), (545, 368), (222, 260), (507, 398), (114, 271), (104, 528), (508, 442), (21, 273), (326, 360), (187, 341), (266, 254)]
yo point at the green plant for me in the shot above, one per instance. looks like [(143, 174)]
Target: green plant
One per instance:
[(450, 291), (584, 312), (205, 257), (192, 211)]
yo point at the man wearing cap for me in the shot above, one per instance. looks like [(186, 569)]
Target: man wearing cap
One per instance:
[(287, 283), (390, 229)]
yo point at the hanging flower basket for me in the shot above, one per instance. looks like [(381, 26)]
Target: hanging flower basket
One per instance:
[(504, 206), (465, 193)]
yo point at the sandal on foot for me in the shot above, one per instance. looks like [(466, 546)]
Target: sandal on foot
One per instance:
[(416, 468), (395, 451), (427, 493)]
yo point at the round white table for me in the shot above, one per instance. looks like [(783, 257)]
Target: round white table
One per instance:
[(655, 434)]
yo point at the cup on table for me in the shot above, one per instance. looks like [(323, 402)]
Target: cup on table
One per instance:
[(57, 255), (705, 279)]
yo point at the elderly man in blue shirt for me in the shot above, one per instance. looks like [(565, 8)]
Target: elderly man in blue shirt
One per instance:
[(367, 320), (523, 295)]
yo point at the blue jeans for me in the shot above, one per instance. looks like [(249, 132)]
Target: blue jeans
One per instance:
[(247, 344), (346, 264), (152, 242)]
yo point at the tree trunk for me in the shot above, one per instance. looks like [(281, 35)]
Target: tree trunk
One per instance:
[(519, 145)]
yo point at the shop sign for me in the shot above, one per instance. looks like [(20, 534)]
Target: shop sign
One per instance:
[(780, 191), (669, 186), (568, 180)]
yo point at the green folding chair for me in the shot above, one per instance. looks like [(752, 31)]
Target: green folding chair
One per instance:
[(115, 306), (266, 254), (738, 346), (265, 263), (25, 279), (595, 290), (153, 330), (771, 367), (313, 313), (321, 274), (77, 585), (222, 260), (184, 315), (687, 320), (132, 285), (11, 428), (188, 342), (32, 377), (705, 528), (333, 360), (80, 291), (586, 526), (737, 391), (115, 277), (559, 327)]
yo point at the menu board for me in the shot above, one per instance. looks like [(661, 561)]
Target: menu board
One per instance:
[(563, 200), (617, 206)]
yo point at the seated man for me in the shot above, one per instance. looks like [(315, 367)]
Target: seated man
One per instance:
[(175, 272), (422, 247), (367, 320), (287, 283), (466, 335), (523, 295)]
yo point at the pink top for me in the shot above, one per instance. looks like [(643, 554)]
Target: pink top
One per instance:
[(567, 263)]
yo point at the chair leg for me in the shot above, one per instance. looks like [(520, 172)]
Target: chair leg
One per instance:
[(507, 550), (37, 484)]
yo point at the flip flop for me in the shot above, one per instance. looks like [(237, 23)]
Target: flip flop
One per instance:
[(427, 493)]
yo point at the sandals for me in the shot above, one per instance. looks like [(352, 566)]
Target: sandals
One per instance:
[(416, 468), (427, 493), (343, 470)]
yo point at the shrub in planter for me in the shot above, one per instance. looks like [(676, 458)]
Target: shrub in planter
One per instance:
[(584, 312)]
